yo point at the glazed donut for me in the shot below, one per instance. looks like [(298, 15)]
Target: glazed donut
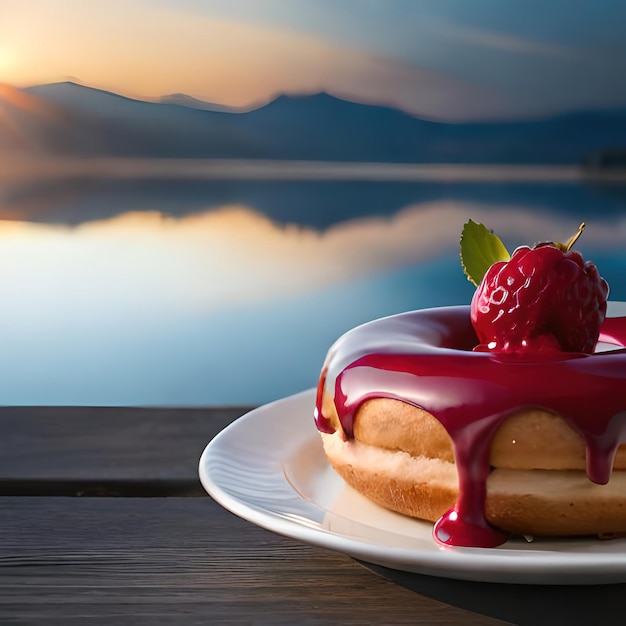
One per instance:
[(483, 444)]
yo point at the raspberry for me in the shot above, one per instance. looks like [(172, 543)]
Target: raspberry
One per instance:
[(543, 298)]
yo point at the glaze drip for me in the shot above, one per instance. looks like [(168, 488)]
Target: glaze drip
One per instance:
[(425, 358)]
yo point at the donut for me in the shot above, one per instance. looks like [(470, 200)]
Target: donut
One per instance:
[(483, 444)]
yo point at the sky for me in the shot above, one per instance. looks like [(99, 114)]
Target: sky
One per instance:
[(448, 59)]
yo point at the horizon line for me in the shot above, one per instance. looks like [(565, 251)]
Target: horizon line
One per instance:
[(28, 168)]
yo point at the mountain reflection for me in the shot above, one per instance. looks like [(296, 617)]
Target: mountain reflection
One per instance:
[(128, 294), (316, 203)]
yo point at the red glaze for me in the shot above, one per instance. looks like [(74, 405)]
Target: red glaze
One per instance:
[(426, 358)]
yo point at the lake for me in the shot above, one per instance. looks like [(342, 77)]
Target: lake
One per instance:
[(169, 290)]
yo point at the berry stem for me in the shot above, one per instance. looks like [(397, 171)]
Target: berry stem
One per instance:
[(574, 239)]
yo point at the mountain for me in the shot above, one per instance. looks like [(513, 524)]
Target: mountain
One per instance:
[(147, 129), (332, 129), (31, 124), (84, 100), (315, 127), (184, 100)]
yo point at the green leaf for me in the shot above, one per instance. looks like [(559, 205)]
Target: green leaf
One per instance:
[(480, 249)]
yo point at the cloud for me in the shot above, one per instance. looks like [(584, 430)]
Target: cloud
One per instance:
[(227, 61), (244, 64), (382, 80), (504, 42)]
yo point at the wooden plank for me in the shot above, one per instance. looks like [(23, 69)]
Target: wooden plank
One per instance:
[(94, 446), (133, 560), (183, 561)]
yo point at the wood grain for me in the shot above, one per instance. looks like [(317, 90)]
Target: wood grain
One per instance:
[(184, 561), (162, 559), (105, 444)]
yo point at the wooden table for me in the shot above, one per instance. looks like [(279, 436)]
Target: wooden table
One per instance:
[(103, 521)]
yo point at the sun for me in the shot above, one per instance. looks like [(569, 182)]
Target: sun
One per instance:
[(4, 58), (5, 62)]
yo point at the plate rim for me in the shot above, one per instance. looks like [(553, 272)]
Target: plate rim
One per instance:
[(478, 564)]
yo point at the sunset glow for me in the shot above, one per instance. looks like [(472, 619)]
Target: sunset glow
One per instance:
[(12, 96), (240, 64), (5, 62), (432, 59), (19, 135)]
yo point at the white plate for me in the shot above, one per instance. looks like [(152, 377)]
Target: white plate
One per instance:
[(269, 468)]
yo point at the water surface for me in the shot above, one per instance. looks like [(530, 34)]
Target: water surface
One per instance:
[(129, 291)]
